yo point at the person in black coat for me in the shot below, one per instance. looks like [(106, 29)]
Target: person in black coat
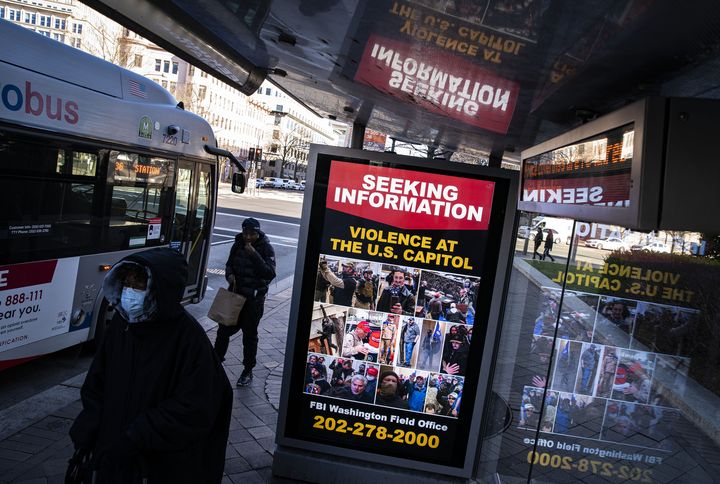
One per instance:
[(537, 241), (156, 400), (249, 270), (548, 246)]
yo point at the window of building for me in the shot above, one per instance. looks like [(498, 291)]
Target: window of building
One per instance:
[(267, 91), (166, 66), (203, 74), (191, 71), (126, 32), (2, 12), (45, 21), (60, 24), (137, 62), (77, 28), (164, 83), (174, 67), (30, 18), (202, 90), (59, 37), (279, 107), (158, 65), (46, 33), (76, 43), (14, 15), (172, 87)]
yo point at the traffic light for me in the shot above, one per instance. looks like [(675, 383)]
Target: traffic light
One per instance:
[(258, 154), (251, 154)]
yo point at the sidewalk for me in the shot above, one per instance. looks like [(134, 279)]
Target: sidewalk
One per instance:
[(37, 448)]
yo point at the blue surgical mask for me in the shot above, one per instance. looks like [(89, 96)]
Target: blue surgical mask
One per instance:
[(133, 302)]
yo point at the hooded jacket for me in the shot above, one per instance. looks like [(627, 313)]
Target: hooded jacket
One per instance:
[(253, 272), (157, 384)]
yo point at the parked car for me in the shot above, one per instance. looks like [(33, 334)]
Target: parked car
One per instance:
[(272, 182), (259, 183), (524, 232), (286, 183), (654, 246), (611, 243), (294, 186)]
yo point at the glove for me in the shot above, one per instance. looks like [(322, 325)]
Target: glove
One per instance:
[(120, 454)]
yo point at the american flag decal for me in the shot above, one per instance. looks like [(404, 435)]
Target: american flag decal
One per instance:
[(137, 89)]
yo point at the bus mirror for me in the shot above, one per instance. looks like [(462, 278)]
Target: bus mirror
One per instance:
[(238, 183)]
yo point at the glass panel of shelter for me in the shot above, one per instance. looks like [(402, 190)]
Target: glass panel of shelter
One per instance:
[(608, 360)]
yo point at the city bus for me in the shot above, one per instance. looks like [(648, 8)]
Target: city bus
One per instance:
[(96, 162)]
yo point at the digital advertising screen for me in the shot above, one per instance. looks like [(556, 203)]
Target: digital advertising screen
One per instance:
[(399, 271)]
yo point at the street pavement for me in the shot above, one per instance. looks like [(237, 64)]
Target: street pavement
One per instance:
[(38, 451)]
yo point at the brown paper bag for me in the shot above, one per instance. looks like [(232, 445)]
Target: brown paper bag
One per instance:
[(226, 307)]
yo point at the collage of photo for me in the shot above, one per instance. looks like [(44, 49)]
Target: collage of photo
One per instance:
[(416, 325), (616, 370), (403, 388)]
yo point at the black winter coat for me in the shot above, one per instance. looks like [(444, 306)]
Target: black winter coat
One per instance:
[(253, 272), (159, 384)]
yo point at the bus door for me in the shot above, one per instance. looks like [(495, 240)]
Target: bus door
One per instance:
[(192, 222)]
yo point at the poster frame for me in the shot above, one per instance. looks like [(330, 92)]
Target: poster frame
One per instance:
[(499, 286), (648, 117)]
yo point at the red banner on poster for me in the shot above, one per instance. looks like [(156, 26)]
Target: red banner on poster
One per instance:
[(439, 82), (409, 199)]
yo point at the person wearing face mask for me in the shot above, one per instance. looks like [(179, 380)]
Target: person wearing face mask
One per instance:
[(388, 394), (249, 270), (156, 400)]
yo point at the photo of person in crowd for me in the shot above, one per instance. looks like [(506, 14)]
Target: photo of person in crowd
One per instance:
[(449, 297), (323, 292), (567, 359), (576, 317), (444, 394), (608, 367), (389, 331), (538, 358), (327, 328), (579, 415), (662, 329), (431, 345), (614, 322), (355, 391), (389, 390), (587, 372), (643, 425), (409, 337), (316, 381), (633, 377), (367, 286), (549, 411), (530, 406), (394, 295), (350, 282), (362, 341), (456, 350), (416, 389)]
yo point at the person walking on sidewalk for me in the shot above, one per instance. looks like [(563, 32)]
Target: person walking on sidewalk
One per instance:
[(537, 241), (156, 399), (249, 270), (548, 246)]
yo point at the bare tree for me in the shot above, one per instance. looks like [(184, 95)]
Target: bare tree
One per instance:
[(289, 148)]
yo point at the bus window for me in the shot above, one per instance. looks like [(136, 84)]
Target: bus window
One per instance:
[(46, 211), (139, 190), (182, 201)]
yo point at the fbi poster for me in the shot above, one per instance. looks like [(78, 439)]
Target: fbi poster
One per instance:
[(398, 278)]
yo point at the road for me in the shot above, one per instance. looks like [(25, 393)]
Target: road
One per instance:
[(279, 216)]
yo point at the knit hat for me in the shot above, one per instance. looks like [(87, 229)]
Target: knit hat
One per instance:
[(251, 223), (389, 373)]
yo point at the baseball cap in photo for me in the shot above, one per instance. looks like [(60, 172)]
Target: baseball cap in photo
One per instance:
[(364, 326)]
